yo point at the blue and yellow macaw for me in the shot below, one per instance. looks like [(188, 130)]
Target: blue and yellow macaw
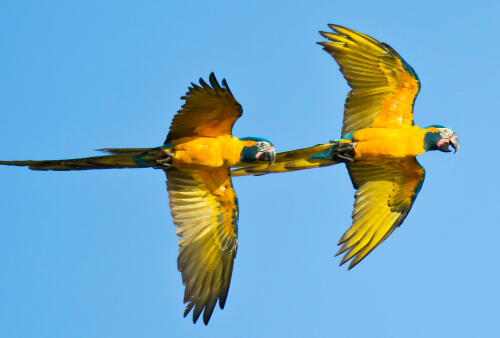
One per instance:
[(379, 140), (196, 157)]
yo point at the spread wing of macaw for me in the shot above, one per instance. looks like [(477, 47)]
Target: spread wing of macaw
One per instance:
[(379, 140), (205, 209), (196, 156)]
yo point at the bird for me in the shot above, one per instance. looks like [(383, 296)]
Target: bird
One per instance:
[(379, 140), (196, 156)]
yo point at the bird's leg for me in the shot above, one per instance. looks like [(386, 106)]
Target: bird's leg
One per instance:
[(159, 158), (343, 152), (163, 158)]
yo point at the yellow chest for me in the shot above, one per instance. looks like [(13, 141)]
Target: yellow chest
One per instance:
[(203, 152), (389, 142)]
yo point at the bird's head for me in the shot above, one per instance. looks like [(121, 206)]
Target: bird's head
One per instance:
[(257, 148), (440, 138)]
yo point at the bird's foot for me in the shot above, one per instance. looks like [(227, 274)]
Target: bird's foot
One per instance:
[(163, 158), (343, 152), (164, 162)]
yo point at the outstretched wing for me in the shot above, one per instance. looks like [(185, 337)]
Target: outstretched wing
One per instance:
[(385, 194), (384, 86), (204, 207), (288, 161), (209, 111)]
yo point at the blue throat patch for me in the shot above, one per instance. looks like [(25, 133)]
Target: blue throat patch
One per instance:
[(431, 140), (248, 154)]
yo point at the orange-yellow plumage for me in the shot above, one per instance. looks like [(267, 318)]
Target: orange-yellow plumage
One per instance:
[(385, 193), (204, 152), (383, 87), (372, 143), (203, 203), (218, 183), (379, 140)]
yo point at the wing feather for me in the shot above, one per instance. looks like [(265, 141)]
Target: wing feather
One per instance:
[(370, 66), (205, 210), (210, 110), (385, 192)]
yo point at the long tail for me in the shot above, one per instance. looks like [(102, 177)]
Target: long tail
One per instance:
[(120, 158), (300, 159)]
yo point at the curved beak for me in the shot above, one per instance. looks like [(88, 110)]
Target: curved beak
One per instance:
[(268, 155), (454, 143), (444, 144)]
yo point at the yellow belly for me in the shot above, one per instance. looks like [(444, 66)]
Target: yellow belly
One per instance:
[(387, 142), (203, 152)]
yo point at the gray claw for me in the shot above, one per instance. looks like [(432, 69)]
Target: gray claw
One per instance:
[(343, 152)]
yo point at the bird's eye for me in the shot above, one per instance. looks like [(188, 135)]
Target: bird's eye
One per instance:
[(446, 132), (262, 146)]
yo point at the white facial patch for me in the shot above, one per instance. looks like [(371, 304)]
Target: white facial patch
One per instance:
[(445, 132), (263, 146)]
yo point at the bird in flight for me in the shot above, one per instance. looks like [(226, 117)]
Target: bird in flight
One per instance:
[(379, 140), (196, 157)]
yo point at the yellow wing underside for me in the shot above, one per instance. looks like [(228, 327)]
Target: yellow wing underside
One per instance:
[(385, 194), (204, 209), (384, 86)]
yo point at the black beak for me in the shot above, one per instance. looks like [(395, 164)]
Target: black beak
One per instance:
[(454, 143), (268, 155), (445, 146)]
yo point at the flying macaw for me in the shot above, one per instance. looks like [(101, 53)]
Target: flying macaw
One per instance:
[(196, 157), (379, 140)]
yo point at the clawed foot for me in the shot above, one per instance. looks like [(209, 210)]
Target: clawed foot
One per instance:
[(343, 152), (164, 162), (163, 158)]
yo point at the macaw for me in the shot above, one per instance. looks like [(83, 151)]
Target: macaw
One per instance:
[(379, 140), (196, 157)]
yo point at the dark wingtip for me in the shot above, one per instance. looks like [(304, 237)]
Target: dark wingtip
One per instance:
[(335, 27), (196, 315), (213, 81), (324, 34), (323, 44), (203, 83), (226, 87), (341, 251), (222, 299), (353, 264)]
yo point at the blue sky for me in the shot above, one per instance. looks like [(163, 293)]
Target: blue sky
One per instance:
[(93, 254)]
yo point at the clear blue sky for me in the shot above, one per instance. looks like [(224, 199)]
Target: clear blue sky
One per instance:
[(93, 254)]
